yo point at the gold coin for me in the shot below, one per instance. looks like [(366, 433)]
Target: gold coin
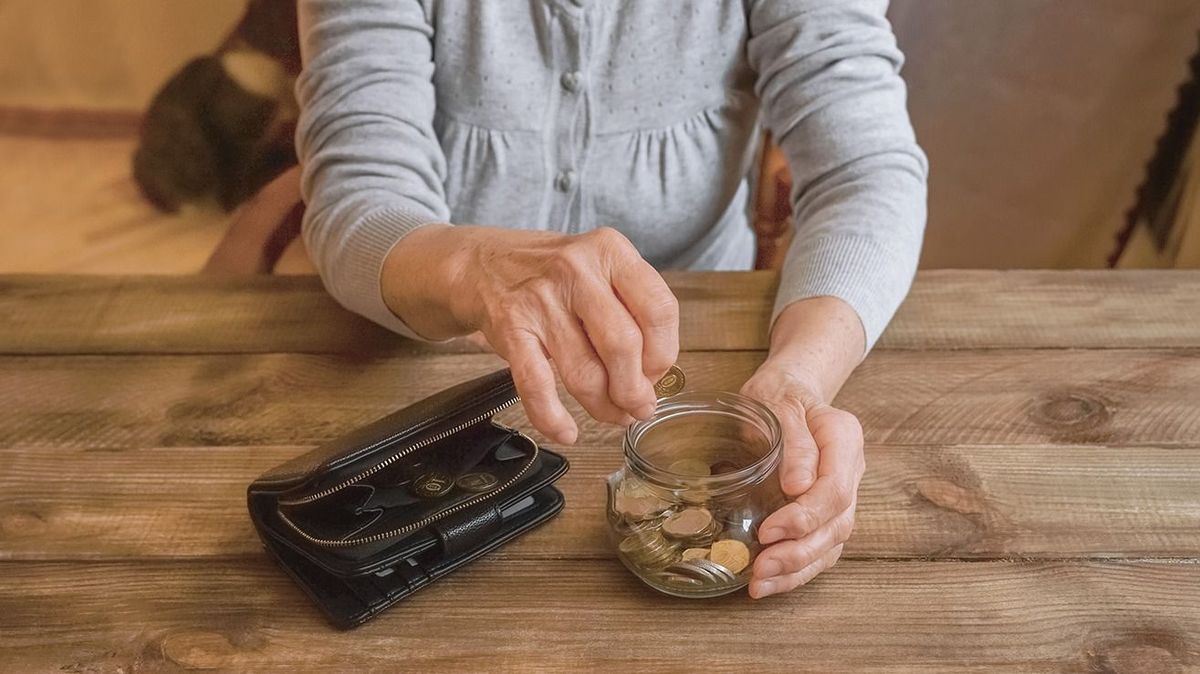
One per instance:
[(688, 523), (639, 507), (731, 554), (692, 467), (432, 485), (671, 383), (695, 553), (477, 483)]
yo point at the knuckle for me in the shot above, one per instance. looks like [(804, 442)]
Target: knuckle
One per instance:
[(850, 421), (841, 494), (842, 528), (665, 308), (834, 558), (804, 520), (529, 377), (571, 261), (584, 378), (626, 397), (610, 238), (796, 559), (619, 341)]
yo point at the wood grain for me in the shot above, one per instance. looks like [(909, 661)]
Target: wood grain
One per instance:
[(1031, 500), (946, 310), (508, 615), (1127, 398), (915, 502)]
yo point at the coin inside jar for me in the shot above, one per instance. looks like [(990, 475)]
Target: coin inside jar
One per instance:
[(636, 502), (648, 549), (688, 523), (731, 554)]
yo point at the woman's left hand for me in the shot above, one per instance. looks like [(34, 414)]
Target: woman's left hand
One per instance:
[(820, 470)]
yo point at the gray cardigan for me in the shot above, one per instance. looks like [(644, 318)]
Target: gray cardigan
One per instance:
[(642, 115)]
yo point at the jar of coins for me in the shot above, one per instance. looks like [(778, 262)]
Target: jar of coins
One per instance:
[(699, 477)]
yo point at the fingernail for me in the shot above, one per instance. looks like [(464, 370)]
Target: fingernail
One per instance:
[(764, 588), (568, 437), (646, 411), (772, 568), (770, 536)]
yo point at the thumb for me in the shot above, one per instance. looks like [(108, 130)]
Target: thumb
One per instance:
[(798, 465)]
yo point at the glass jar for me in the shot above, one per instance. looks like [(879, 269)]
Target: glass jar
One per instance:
[(699, 477)]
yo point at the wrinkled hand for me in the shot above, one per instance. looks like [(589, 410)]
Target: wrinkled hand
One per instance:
[(820, 470), (589, 303)]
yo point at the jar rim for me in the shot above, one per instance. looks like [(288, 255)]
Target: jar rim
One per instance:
[(707, 402)]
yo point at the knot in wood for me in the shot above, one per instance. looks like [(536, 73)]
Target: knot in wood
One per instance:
[(198, 650), (1071, 410)]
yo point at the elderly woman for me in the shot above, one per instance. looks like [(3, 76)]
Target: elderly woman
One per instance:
[(523, 169)]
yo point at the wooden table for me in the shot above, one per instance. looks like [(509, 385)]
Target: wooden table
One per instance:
[(1032, 498)]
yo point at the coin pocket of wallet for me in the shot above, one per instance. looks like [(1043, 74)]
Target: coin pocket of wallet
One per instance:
[(415, 490)]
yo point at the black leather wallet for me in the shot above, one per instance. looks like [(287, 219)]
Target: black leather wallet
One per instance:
[(366, 520)]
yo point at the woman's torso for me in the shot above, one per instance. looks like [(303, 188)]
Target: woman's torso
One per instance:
[(568, 115)]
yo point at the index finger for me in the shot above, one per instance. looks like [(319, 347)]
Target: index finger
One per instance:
[(656, 311), (839, 439)]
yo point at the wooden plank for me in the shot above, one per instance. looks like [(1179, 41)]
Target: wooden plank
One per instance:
[(1108, 398), (263, 314), (720, 311), (552, 616), (915, 502)]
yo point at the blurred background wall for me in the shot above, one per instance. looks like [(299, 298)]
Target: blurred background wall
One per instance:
[(1038, 115), (102, 54)]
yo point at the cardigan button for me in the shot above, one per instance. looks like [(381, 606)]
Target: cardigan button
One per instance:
[(572, 81), (564, 181)]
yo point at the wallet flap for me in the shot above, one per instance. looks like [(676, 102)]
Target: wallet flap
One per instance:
[(444, 413)]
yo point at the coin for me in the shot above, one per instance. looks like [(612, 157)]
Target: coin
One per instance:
[(702, 570), (477, 483), (635, 501), (680, 579), (690, 570), (690, 467), (731, 554), (719, 572), (671, 383), (688, 523), (432, 485), (695, 553), (647, 550)]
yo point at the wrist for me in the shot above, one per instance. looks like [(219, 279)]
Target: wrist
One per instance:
[(423, 278), (818, 342)]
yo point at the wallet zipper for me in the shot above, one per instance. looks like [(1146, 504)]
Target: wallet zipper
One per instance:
[(425, 521), (421, 523), (400, 455)]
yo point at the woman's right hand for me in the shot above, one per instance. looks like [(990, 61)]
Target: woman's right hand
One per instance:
[(589, 303)]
